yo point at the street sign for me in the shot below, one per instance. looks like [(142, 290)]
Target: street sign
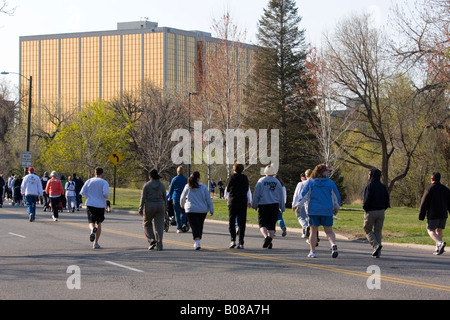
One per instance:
[(26, 159), (115, 158)]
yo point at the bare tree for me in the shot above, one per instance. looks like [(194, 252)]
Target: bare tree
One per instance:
[(328, 121), (5, 8), (223, 72), (393, 113), (52, 120), (423, 37), (151, 118)]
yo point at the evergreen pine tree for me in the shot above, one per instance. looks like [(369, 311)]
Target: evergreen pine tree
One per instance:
[(272, 94)]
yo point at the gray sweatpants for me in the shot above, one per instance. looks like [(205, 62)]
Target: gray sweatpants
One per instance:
[(373, 225), (153, 222)]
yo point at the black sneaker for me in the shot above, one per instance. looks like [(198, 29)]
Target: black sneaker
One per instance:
[(377, 252), (152, 245), (441, 248), (92, 235), (267, 241)]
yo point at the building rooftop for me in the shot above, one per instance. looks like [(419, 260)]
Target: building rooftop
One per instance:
[(122, 28)]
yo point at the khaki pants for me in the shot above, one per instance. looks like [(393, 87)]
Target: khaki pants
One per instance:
[(154, 222), (373, 225)]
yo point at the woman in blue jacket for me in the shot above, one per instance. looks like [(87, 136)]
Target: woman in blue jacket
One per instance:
[(323, 199)]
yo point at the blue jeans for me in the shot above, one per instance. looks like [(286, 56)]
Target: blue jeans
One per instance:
[(180, 214), (302, 217), (280, 219), (31, 200)]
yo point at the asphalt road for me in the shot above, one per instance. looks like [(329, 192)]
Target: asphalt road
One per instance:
[(50, 260)]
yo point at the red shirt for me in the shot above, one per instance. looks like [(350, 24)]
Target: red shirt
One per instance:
[(54, 188)]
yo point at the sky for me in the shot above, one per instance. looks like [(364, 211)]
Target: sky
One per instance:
[(33, 17)]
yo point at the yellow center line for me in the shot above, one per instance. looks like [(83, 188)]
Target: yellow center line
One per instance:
[(285, 261)]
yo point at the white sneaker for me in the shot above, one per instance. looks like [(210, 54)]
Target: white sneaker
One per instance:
[(311, 254), (96, 245)]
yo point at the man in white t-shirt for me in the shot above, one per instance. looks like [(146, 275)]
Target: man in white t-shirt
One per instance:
[(96, 190), (31, 189)]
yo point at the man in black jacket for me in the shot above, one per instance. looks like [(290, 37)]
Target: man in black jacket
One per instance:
[(435, 205), (375, 202), (238, 195)]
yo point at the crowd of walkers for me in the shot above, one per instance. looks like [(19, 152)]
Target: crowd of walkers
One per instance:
[(316, 201)]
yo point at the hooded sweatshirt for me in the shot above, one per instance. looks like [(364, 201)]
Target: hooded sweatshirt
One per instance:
[(268, 190), (196, 200), (435, 202), (376, 196), (321, 195), (153, 192)]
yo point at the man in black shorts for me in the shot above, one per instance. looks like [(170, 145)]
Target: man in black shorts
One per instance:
[(434, 205), (96, 190)]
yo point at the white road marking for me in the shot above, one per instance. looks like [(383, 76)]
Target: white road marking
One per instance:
[(16, 235), (122, 266)]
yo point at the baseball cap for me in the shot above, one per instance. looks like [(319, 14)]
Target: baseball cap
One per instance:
[(31, 169)]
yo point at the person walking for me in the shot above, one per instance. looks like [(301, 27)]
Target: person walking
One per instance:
[(196, 201), (55, 192), (375, 202), (324, 201), (435, 206), (221, 189), (71, 196), (280, 219), (175, 189), (10, 187), (301, 212), (78, 186), (96, 190), (44, 181), (212, 188), (63, 198), (18, 198), (2, 189), (152, 207), (268, 200), (239, 197), (31, 188)]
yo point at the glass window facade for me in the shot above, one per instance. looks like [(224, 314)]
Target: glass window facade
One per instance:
[(111, 76), (69, 79), (154, 58), (71, 70)]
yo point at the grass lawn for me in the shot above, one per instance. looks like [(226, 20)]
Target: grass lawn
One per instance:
[(401, 224)]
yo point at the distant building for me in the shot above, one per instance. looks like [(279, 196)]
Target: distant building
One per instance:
[(70, 70)]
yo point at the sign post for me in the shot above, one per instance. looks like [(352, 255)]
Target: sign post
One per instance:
[(115, 159), (26, 159)]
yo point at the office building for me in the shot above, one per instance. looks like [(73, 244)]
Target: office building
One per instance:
[(71, 70)]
